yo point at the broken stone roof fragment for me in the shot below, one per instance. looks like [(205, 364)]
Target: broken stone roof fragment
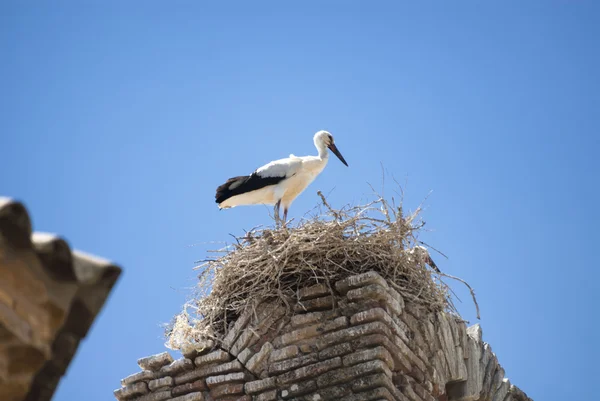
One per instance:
[(49, 297)]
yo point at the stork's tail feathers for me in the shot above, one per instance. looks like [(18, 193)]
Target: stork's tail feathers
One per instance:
[(431, 263)]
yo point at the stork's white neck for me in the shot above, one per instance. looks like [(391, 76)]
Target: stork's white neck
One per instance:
[(323, 153)]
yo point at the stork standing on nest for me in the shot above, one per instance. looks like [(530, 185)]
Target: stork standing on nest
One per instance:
[(278, 182)]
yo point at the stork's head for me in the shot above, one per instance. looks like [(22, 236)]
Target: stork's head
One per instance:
[(324, 139)]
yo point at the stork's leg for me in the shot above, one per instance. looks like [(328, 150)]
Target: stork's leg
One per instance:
[(285, 210), (277, 205)]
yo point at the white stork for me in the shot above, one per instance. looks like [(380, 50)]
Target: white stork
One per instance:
[(278, 182)]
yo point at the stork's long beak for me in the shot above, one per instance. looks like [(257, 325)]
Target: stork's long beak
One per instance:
[(335, 150)]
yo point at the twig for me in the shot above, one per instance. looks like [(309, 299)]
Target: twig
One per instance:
[(468, 286), (331, 210)]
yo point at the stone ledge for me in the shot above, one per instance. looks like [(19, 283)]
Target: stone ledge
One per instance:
[(155, 362)]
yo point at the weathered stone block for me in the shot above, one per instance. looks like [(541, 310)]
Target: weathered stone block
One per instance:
[(191, 350), (285, 353), (461, 329), (453, 359), (214, 369), (333, 393), (414, 330), (421, 354), (371, 291), (258, 361), (379, 353), (187, 377), (401, 362), (312, 317), (440, 369), (158, 396), (379, 314), (336, 350), (228, 367), (496, 381), (397, 297), (267, 396), (245, 355), (227, 390), (502, 391), (307, 348), (190, 397), (414, 360), (237, 328), (489, 372), (348, 308), (248, 337), (131, 390), (428, 331), (315, 330), (234, 398), (378, 394), (215, 356), (309, 371), (144, 375), (259, 386), (155, 362), (351, 333), (377, 292), (421, 392), (417, 374), (272, 321), (375, 381), (335, 324), (315, 304), (298, 335), (460, 363), (298, 389), (347, 374), (360, 280), (284, 366), (158, 383), (197, 386), (230, 378), (176, 367), (475, 332), (410, 394), (314, 291), (486, 367)]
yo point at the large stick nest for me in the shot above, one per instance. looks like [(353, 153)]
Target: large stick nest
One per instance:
[(269, 264)]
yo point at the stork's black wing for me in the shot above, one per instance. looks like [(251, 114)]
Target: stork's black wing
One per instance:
[(242, 184)]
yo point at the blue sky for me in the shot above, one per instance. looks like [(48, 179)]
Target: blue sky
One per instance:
[(117, 123)]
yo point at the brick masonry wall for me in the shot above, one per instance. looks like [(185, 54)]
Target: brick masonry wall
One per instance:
[(358, 341)]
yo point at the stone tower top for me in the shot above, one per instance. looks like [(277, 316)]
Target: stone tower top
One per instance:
[(357, 341)]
